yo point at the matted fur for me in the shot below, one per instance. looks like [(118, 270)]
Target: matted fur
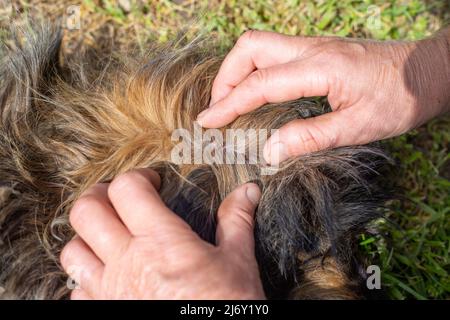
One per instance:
[(70, 122)]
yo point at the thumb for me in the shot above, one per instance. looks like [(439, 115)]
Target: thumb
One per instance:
[(301, 136), (235, 215)]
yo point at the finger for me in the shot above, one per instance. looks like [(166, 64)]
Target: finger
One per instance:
[(303, 78), (82, 265), (96, 222), (135, 197), (298, 137), (256, 50), (79, 294), (235, 219)]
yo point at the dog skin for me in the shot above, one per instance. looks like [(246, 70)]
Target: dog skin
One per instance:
[(69, 122)]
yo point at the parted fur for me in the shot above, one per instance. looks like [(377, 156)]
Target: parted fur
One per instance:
[(67, 123)]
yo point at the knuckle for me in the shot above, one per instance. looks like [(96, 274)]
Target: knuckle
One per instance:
[(239, 220), (345, 53), (249, 37), (257, 78), (342, 58), (245, 38), (309, 141), (318, 139), (125, 181), (243, 218), (81, 207), (333, 52), (358, 47), (237, 213), (308, 138)]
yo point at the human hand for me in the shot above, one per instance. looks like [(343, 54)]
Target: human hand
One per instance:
[(376, 90), (131, 246)]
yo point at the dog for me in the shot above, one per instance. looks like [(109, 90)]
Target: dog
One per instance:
[(69, 122)]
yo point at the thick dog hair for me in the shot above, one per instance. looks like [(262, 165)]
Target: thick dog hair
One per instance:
[(68, 122)]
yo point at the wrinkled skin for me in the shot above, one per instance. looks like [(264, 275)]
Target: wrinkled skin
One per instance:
[(131, 246), (377, 90)]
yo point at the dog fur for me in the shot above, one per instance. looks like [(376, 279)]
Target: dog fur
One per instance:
[(68, 122)]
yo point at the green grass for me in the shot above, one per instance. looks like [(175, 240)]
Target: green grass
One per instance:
[(413, 248), (414, 254)]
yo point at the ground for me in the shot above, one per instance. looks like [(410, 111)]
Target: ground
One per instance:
[(413, 248)]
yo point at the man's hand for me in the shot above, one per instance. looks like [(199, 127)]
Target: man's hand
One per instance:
[(131, 246), (376, 90)]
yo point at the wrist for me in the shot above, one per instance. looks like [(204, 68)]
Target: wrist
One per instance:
[(440, 44), (443, 39), (426, 71)]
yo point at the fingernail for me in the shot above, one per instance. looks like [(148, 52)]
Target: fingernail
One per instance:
[(253, 193), (275, 152), (201, 116)]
